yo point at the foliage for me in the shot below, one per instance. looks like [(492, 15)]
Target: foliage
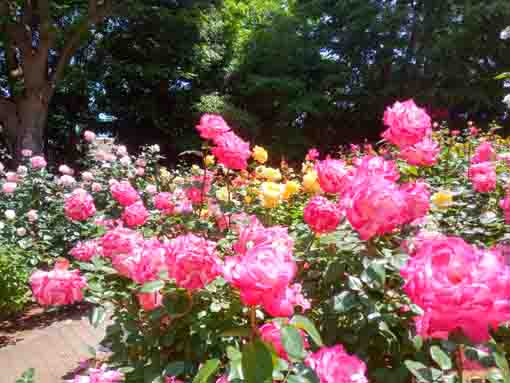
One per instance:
[(14, 272)]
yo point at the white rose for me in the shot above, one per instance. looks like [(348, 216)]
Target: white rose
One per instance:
[(10, 214)]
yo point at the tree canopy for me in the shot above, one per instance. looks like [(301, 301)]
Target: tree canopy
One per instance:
[(287, 73)]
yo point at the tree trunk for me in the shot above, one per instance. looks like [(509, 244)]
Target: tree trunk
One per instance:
[(24, 124)]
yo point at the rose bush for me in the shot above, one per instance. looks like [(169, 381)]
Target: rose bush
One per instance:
[(382, 264)]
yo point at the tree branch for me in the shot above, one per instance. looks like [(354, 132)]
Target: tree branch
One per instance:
[(96, 15)]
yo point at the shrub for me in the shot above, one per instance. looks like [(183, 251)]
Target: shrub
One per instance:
[(15, 269)]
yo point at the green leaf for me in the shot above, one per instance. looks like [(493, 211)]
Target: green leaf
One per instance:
[(293, 342), (307, 325), (257, 363), (418, 342), (97, 316), (207, 370), (345, 301), (502, 76), (441, 358), (27, 377), (175, 368), (152, 287), (422, 372)]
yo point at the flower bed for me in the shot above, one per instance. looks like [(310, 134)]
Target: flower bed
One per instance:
[(379, 264)]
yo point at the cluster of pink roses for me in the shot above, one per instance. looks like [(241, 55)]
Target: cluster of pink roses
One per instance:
[(59, 286), (453, 282), (482, 171), (373, 202), (135, 212), (230, 149), (335, 365), (264, 269), (410, 128)]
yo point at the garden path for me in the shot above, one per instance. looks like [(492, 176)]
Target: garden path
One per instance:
[(53, 345)]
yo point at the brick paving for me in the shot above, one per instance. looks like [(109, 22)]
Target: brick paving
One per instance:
[(53, 348)]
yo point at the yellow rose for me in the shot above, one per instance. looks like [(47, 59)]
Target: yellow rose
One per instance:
[(271, 194), (290, 188), (311, 182), (248, 199), (442, 199), (222, 194), (209, 160), (178, 180), (270, 174), (259, 154)]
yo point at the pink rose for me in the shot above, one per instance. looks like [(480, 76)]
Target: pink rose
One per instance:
[(483, 176), (59, 286), (100, 375), (64, 169), (172, 379), (26, 153), (418, 199), (140, 162), (211, 126), (9, 187), (193, 261), (11, 177), (271, 333), (312, 155), (87, 176), (221, 379), (150, 301), (121, 150), (140, 172), (458, 287), (135, 214), (124, 193), (331, 174), (32, 215), (265, 263), (281, 303), (334, 365), (22, 170), (79, 206), (377, 166), (120, 241), (424, 153), (484, 153), (89, 136), (321, 215), (231, 151), (407, 124), (504, 204), (376, 207), (84, 251), (163, 202), (38, 162), (96, 187), (143, 263), (151, 189), (66, 180)]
